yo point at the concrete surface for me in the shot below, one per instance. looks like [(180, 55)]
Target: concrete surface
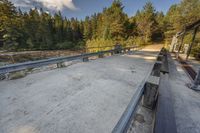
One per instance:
[(186, 101), (143, 121), (192, 62), (83, 98)]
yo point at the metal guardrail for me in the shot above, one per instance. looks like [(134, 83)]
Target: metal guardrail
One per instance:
[(125, 121), (40, 63)]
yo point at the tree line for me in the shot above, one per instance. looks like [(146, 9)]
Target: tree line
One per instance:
[(38, 29)]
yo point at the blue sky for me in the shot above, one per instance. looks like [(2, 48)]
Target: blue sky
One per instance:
[(81, 8)]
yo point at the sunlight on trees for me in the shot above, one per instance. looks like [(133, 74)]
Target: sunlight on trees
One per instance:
[(37, 29)]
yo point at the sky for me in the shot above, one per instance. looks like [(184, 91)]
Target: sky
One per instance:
[(82, 8)]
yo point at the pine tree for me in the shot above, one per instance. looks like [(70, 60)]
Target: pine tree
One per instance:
[(146, 21)]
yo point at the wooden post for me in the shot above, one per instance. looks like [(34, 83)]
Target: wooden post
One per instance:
[(192, 43)]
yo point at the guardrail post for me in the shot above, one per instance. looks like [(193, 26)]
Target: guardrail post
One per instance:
[(100, 55), (61, 64), (196, 83), (112, 53), (151, 92), (85, 59), (3, 76), (156, 69), (118, 49)]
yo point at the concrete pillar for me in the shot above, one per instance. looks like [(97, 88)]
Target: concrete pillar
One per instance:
[(151, 92)]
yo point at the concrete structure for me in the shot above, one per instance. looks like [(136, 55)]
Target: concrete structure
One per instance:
[(186, 102), (82, 98)]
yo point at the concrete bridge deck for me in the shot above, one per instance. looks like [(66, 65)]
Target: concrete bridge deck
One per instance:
[(186, 101), (82, 98)]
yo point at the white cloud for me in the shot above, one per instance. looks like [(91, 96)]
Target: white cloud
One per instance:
[(49, 4), (58, 4)]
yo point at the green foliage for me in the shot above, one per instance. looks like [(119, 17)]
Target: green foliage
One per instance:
[(146, 21), (65, 45), (100, 44), (38, 29), (196, 52), (180, 15)]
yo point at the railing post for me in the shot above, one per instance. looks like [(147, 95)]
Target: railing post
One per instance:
[(100, 55), (118, 49), (196, 83), (151, 92), (85, 59), (61, 64)]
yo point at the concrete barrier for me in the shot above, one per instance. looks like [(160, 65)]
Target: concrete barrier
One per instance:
[(151, 92), (156, 69)]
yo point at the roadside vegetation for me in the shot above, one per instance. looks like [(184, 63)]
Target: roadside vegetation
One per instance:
[(39, 30)]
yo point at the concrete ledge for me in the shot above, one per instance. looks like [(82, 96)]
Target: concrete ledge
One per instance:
[(156, 69), (164, 68), (160, 57)]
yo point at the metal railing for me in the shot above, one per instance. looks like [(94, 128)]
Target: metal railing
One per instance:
[(125, 121), (40, 63)]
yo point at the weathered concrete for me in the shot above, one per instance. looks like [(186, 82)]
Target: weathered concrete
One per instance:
[(151, 92), (192, 62), (143, 121), (82, 98), (186, 101)]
